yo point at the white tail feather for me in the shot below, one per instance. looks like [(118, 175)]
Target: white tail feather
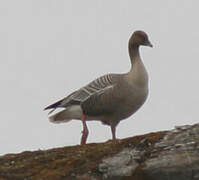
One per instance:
[(72, 112)]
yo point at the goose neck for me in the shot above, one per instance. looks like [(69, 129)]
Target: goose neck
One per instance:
[(134, 53)]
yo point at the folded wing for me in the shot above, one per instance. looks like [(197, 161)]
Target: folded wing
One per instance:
[(96, 88)]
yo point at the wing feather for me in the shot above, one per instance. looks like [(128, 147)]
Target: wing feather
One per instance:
[(98, 86)]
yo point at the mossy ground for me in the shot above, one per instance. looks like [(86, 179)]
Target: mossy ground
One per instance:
[(67, 162)]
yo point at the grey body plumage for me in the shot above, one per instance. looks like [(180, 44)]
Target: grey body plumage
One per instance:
[(110, 98)]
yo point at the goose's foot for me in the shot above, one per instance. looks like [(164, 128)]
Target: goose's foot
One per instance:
[(85, 131)]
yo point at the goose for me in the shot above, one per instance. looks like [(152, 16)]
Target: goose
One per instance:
[(109, 98)]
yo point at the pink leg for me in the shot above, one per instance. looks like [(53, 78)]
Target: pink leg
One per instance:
[(85, 131), (113, 132)]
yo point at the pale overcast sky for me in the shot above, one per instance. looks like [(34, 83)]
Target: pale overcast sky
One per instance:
[(49, 48)]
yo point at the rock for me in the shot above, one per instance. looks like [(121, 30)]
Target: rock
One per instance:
[(168, 155)]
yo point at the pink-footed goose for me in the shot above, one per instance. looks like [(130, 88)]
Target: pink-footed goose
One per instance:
[(110, 98)]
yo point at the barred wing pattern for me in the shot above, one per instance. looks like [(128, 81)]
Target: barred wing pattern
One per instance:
[(98, 86)]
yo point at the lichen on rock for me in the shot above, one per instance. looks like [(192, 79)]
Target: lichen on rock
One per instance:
[(172, 155)]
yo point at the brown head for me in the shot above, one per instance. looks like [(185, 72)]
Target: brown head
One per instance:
[(139, 38)]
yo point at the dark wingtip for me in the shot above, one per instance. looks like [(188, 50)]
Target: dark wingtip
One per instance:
[(46, 108), (55, 105)]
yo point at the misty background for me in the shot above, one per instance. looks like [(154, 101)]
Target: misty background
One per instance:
[(49, 48)]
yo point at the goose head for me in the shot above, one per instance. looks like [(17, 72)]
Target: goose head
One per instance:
[(139, 38)]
